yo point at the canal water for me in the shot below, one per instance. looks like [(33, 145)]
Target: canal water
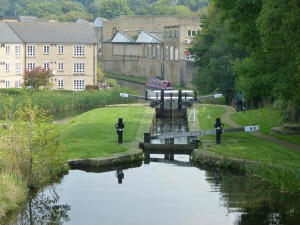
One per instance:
[(161, 192)]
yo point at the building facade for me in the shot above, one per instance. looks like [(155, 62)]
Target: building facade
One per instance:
[(69, 50), (149, 46)]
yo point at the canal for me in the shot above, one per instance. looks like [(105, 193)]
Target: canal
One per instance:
[(161, 192)]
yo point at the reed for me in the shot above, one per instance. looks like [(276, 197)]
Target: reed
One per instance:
[(12, 192), (62, 101), (287, 179)]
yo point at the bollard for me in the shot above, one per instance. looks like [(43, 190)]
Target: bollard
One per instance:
[(120, 176), (219, 128), (179, 99), (162, 100), (119, 127)]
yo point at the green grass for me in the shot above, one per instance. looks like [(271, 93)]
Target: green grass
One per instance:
[(93, 134), (274, 163), (266, 118), (243, 145)]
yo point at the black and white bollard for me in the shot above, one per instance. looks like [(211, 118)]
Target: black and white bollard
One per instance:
[(119, 127), (219, 129)]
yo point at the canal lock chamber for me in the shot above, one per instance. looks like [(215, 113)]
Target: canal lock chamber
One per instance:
[(165, 121)]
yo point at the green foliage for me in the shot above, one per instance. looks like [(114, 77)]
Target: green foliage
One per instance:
[(12, 192), (214, 57), (287, 179), (114, 8), (54, 101), (68, 10), (64, 10), (30, 154)]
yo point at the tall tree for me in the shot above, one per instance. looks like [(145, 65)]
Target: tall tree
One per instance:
[(269, 31), (214, 57)]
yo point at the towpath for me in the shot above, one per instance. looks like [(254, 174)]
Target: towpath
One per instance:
[(226, 118)]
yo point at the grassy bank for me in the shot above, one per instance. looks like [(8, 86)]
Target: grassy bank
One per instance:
[(245, 146), (93, 134)]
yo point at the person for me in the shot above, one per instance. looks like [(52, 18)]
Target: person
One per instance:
[(239, 103)]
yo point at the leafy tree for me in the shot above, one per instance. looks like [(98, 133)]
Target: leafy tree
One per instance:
[(269, 31), (214, 56), (113, 8), (37, 78)]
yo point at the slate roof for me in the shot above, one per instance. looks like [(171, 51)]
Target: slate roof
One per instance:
[(146, 37), (54, 32), (122, 37), (7, 35)]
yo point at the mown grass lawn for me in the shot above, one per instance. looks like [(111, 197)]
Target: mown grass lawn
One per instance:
[(93, 134), (243, 145)]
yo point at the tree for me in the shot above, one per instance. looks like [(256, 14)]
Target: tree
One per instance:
[(113, 8), (269, 31), (37, 78), (214, 57)]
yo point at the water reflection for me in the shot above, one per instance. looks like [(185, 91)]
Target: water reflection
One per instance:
[(44, 208), (161, 192)]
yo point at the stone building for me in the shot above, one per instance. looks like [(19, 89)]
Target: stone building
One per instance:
[(148, 46), (68, 49)]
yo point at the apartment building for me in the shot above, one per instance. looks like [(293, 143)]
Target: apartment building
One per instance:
[(68, 49), (11, 59)]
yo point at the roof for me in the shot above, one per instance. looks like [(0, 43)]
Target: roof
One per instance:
[(45, 32), (98, 23), (122, 37), (146, 37), (8, 35)]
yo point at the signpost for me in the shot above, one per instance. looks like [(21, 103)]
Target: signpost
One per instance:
[(207, 132)]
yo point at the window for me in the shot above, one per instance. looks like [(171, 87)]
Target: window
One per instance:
[(17, 67), (17, 50), (30, 50), (176, 53), (78, 85), (171, 52), (167, 53), (46, 65), (30, 66), (7, 83), (166, 34), (172, 33), (157, 52), (60, 66), (60, 49), (78, 50), (18, 83), (176, 33), (192, 33), (60, 83), (46, 49), (7, 49), (78, 68), (149, 51), (7, 66)]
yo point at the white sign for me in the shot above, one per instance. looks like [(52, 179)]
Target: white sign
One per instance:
[(124, 95), (218, 95), (251, 128), (187, 134)]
